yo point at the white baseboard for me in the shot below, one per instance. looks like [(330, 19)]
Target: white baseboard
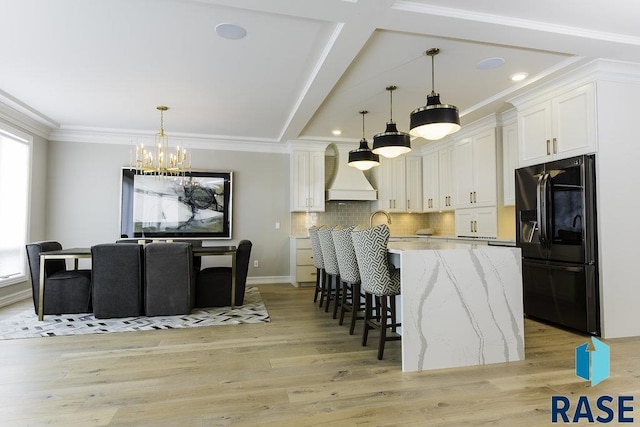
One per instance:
[(267, 280), (15, 297)]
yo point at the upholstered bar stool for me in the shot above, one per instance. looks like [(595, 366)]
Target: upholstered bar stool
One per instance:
[(349, 275), (318, 262), (331, 268), (379, 281)]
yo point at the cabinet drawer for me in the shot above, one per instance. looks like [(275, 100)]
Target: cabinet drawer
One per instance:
[(303, 243), (306, 273), (304, 257)]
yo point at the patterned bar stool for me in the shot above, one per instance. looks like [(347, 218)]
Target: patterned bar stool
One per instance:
[(331, 268), (349, 274), (379, 281), (318, 262)]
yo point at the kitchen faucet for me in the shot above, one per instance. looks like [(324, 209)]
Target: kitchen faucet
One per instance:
[(377, 212)]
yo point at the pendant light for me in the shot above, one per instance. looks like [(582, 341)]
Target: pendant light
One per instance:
[(391, 143), (362, 157), (434, 120)]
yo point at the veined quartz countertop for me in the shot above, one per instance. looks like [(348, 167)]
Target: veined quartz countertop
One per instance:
[(461, 303)]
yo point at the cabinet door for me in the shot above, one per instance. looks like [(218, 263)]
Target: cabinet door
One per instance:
[(307, 181), (447, 178), (383, 174), (464, 173), (316, 181), (397, 184), (509, 163), (413, 183), (574, 120), (486, 224), (431, 181), (299, 181), (464, 222), (534, 134), (484, 169)]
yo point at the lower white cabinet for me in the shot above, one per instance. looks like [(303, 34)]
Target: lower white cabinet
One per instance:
[(302, 267), (477, 222)]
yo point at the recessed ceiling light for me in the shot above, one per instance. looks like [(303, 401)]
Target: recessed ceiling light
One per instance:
[(490, 63), (336, 132), (516, 77), (230, 31)]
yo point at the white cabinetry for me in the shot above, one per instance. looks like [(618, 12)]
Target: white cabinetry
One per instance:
[(477, 222), (509, 162), (558, 127), (447, 177), (475, 159), (399, 183), (302, 267), (431, 182), (307, 181), (413, 174)]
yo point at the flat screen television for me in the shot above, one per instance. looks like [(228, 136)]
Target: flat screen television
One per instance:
[(197, 205)]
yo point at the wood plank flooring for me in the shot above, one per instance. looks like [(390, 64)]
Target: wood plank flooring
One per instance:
[(300, 369)]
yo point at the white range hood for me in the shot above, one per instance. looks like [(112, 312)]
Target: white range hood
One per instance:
[(346, 182)]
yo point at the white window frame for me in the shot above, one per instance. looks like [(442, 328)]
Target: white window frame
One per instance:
[(16, 134)]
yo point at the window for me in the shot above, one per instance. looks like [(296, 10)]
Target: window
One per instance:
[(15, 153)]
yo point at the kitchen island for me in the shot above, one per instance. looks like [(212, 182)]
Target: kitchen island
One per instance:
[(461, 304)]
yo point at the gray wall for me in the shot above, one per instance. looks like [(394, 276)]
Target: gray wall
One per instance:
[(83, 193)]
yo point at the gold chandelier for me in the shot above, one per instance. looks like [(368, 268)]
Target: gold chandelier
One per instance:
[(159, 160)]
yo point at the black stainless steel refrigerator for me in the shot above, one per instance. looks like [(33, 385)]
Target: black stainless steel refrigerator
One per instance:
[(556, 231)]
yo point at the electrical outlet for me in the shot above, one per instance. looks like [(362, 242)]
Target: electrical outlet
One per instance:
[(256, 264)]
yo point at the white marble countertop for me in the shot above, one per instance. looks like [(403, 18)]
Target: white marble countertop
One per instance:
[(398, 247)]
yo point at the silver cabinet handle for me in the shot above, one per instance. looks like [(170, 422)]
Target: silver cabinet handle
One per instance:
[(408, 204), (471, 197), (555, 145), (548, 147), (471, 226), (474, 197)]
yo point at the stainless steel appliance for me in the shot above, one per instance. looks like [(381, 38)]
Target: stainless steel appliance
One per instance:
[(556, 231)]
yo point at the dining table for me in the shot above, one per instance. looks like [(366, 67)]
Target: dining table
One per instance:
[(79, 253)]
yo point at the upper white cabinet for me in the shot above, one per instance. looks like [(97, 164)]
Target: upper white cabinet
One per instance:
[(430, 182), (557, 127), (413, 174), (475, 165), (307, 181), (509, 162), (447, 174), (399, 182), (438, 178)]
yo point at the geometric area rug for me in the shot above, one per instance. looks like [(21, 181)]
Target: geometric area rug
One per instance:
[(26, 325)]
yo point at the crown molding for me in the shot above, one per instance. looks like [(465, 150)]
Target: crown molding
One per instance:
[(197, 141), (507, 21), (17, 113)]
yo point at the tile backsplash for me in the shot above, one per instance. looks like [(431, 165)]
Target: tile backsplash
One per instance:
[(357, 213)]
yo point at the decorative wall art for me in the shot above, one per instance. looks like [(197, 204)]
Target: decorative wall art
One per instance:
[(196, 205)]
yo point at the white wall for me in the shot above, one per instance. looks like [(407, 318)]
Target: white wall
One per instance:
[(83, 193), (618, 175)]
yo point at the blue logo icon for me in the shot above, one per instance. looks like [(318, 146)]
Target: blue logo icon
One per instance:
[(593, 365)]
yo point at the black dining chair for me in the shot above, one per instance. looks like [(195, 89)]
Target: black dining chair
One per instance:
[(117, 280), (213, 285), (65, 291), (169, 282)]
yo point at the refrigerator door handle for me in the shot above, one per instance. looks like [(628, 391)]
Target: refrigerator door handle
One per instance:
[(539, 207)]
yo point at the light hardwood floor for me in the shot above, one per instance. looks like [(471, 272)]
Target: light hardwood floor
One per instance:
[(300, 369)]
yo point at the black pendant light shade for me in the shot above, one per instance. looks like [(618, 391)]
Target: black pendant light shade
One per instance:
[(434, 120), (391, 143), (362, 157)]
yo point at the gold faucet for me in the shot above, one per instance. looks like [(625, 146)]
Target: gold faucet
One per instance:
[(377, 212)]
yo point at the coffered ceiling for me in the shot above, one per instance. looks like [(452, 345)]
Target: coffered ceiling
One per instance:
[(96, 69)]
